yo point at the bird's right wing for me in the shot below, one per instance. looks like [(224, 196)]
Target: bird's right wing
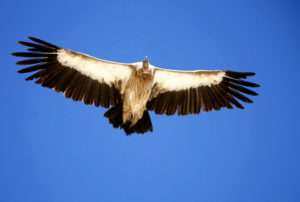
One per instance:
[(76, 75)]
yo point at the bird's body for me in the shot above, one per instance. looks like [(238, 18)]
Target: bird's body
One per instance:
[(136, 94), (134, 88)]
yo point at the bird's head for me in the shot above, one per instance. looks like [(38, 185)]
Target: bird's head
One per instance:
[(146, 63), (146, 71)]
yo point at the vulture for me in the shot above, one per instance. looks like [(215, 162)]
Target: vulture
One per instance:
[(130, 90)]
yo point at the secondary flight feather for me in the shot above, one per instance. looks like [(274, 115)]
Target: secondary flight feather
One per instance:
[(129, 90)]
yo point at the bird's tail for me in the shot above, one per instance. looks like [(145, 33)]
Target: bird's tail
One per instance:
[(114, 114)]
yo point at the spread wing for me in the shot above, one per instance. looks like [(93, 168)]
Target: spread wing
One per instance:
[(76, 75), (190, 91)]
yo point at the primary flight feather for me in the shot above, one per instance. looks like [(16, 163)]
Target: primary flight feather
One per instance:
[(130, 90)]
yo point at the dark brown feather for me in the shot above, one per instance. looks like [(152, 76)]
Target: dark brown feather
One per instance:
[(37, 46), (198, 102), (87, 87), (33, 61), (158, 104), (239, 75), (72, 85), (171, 106), (187, 102), (215, 103), (79, 94), (162, 105), (239, 88), (221, 97), (35, 67), (88, 99), (43, 42), (104, 98), (64, 80), (192, 100), (180, 103), (113, 95), (33, 55), (97, 94), (107, 96), (241, 82), (53, 77), (205, 97), (229, 97), (238, 95), (41, 49)]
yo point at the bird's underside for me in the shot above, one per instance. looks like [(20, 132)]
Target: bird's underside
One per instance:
[(130, 90)]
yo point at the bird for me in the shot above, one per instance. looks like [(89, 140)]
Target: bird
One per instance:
[(131, 90)]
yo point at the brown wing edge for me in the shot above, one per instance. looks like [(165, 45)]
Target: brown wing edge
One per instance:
[(192, 100), (51, 74)]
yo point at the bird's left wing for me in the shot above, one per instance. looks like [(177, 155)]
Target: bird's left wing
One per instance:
[(78, 76), (187, 92)]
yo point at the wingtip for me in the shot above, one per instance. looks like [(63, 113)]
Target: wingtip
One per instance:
[(23, 43), (32, 38), (239, 75), (255, 85), (249, 74), (16, 54)]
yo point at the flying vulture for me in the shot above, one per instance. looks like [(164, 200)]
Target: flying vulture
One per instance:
[(130, 90)]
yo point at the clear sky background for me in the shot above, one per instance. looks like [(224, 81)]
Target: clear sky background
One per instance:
[(53, 149)]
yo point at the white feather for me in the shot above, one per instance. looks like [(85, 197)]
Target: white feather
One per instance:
[(171, 80), (101, 70)]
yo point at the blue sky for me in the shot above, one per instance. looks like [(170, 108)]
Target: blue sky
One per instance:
[(53, 149)]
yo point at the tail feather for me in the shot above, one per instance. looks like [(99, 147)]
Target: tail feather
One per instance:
[(114, 115)]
